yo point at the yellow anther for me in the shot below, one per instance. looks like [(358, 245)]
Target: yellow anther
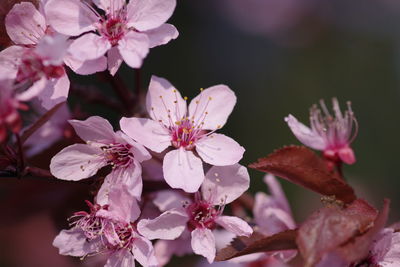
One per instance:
[(185, 98), (190, 142), (174, 91), (197, 101), (160, 96), (210, 98), (201, 89), (178, 123), (206, 112), (219, 126)]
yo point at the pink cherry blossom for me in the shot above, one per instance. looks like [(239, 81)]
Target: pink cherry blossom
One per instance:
[(125, 32), (272, 214), (222, 185), (109, 230), (103, 147), (37, 58), (385, 250), (189, 130), (10, 118), (331, 134)]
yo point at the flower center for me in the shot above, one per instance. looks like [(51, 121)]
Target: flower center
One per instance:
[(113, 29), (33, 69), (118, 155), (91, 225), (202, 215), (184, 134)]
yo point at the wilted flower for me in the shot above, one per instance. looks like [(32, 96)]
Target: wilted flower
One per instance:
[(189, 130), (329, 133)]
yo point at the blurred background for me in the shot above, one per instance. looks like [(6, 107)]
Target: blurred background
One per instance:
[(280, 57)]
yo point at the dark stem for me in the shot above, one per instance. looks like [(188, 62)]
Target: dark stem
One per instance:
[(138, 84), (121, 90), (21, 162)]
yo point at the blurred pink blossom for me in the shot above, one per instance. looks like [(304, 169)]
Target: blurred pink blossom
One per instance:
[(125, 33)]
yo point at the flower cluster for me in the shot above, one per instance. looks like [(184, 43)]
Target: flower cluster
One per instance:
[(168, 181)]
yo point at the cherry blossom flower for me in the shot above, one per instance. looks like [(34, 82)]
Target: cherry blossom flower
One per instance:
[(10, 118), (189, 130), (330, 134), (272, 215), (199, 217), (109, 230), (125, 32), (385, 250), (103, 147), (38, 56)]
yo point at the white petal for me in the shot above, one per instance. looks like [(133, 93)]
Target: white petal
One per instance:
[(212, 106), (223, 185), (203, 243), (183, 170)]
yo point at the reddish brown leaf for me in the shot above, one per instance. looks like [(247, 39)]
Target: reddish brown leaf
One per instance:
[(258, 243), (331, 227), (357, 249), (40, 122), (303, 167)]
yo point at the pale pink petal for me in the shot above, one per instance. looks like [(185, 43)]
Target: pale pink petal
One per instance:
[(150, 14), (24, 24), (76, 162), (70, 17), (219, 150), (169, 225), (89, 46), (122, 206), (170, 199), (223, 185), (203, 243), (139, 152), (212, 106), (164, 100), (110, 6), (143, 252), (52, 49), (114, 60), (85, 67), (277, 193), (33, 91), (133, 48), (10, 59), (55, 91), (73, 243), (94, 128), (146, 132), (346, 154), (162, 35), (305, 134), (235, 225), (272, 220), (129, 176), (121, 258), (183, 170)]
